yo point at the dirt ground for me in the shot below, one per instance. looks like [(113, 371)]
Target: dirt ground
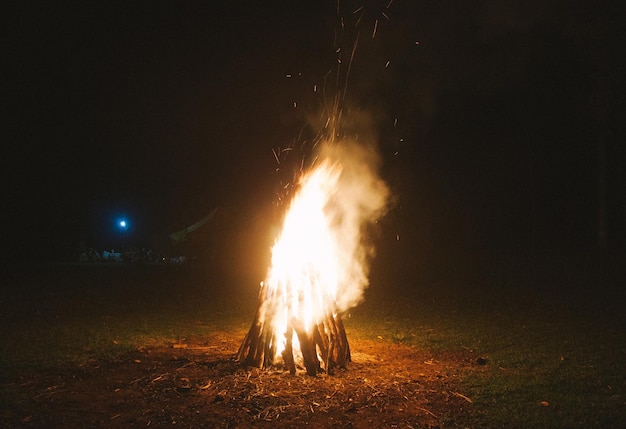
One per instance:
[(197, 383)]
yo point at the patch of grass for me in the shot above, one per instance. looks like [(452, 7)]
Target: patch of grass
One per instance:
[(548, 360), (551, 376), (543, 361), (66, 319)]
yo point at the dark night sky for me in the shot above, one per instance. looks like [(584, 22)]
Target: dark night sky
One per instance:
[(160, 113)]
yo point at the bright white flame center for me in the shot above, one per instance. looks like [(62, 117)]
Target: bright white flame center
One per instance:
[(318, 265), (305, 267)]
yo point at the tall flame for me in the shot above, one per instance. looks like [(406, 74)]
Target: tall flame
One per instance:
[(319, 260)]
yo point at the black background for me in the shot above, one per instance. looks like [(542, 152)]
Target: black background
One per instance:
[(158, 112)]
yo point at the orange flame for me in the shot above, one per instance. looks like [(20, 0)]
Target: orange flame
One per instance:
[(319, 261)]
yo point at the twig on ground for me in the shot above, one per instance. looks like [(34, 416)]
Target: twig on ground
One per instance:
[(460, 395)]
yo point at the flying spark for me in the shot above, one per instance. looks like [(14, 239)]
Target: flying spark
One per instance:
[(358, 9)]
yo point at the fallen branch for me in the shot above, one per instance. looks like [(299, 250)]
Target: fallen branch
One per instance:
[(460, 395)]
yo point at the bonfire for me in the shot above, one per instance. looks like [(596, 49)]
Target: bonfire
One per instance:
[(319, 264)]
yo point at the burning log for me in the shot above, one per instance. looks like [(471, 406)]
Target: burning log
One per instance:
[(287, 354), (323, 348)]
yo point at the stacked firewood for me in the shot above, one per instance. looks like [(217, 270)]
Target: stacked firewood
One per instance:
[(325, 340)]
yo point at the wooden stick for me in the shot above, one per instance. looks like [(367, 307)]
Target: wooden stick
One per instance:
[(288, 352), (308, 349)]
